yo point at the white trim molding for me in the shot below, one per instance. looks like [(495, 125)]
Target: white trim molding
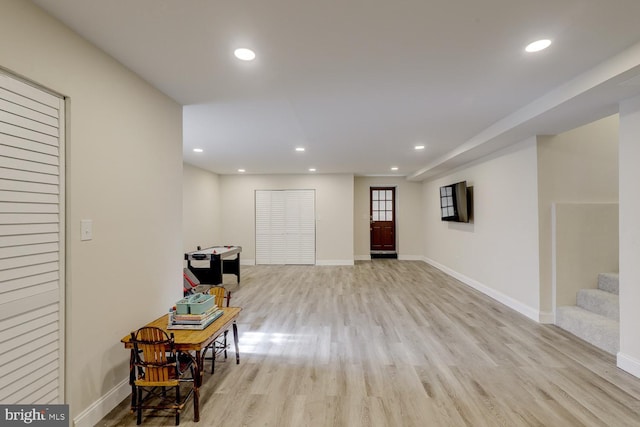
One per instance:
[(547, 317), (628, 364), (514, 304), (101, 407), (410, 257)]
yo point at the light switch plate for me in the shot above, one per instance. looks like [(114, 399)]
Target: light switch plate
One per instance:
[(86, 229)]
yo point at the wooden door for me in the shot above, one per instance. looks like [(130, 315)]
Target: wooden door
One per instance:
[(383, 218)]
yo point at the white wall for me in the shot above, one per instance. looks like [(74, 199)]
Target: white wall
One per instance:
[(124, 171), (498, 252), (409, 219), (580, 166), (200, 208), (585, 243), (334, 212), (629, 355)]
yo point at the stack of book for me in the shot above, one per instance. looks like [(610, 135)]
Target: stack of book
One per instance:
[(193, 321)]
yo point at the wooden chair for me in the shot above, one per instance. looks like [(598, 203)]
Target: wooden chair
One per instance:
[(158, 366), (220, 345), (221, 294)]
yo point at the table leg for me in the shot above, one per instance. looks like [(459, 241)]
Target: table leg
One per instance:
[(225, 343), (235, 339), (132, 379), (238, 268), (196, 404), (197, 382)]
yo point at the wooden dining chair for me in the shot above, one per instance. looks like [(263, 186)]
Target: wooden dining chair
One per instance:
[(220, 345), (221, 294), (159, 367)]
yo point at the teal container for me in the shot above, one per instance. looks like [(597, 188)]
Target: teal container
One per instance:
[(200, 303), (182, 306), (195, 304)]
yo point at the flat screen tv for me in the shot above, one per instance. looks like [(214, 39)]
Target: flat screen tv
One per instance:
[(454, 204)]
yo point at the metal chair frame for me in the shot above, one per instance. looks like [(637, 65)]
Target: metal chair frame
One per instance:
[(220, 345)]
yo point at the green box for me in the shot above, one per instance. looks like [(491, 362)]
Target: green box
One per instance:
[(195, 304)]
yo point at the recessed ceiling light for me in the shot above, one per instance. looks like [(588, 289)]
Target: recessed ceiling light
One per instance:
[(394, 168), (419, 147), (537, 46), (300, 149), (312, 169), (198, 150), (244, 54), (241, 170)]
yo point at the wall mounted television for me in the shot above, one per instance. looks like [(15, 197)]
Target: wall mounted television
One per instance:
[(454, 202)]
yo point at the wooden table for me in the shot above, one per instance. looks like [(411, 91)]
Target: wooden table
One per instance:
[(193, 341)]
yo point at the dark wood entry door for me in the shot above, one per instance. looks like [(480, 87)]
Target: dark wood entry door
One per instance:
[(382, 202)]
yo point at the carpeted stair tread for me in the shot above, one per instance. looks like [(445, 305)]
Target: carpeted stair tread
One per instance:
[(599, 302), (598, 330), (609, 282)]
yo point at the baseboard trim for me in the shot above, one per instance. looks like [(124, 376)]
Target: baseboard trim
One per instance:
[(101, 407), (247, 261), (547, 317), (628, 364), (362, 257), (334, 262), (410, 257), (514, 304)]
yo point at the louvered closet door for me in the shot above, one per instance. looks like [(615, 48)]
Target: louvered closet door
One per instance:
[(285, 227), (300, 232), (270, 227), (31, 244)]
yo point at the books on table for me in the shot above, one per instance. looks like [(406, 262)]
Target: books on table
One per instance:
[(193, 321)]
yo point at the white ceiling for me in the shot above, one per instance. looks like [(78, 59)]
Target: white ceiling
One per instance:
[(360, 82)]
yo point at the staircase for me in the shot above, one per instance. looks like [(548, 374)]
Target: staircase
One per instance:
[(596, 316)]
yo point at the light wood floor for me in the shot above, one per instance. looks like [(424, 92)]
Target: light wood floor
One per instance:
[(399, 343)]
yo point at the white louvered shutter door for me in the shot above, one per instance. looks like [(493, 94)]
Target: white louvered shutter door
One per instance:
[(31, 244), (263, 221), (285, 227), (270, 227), (301, 229)]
